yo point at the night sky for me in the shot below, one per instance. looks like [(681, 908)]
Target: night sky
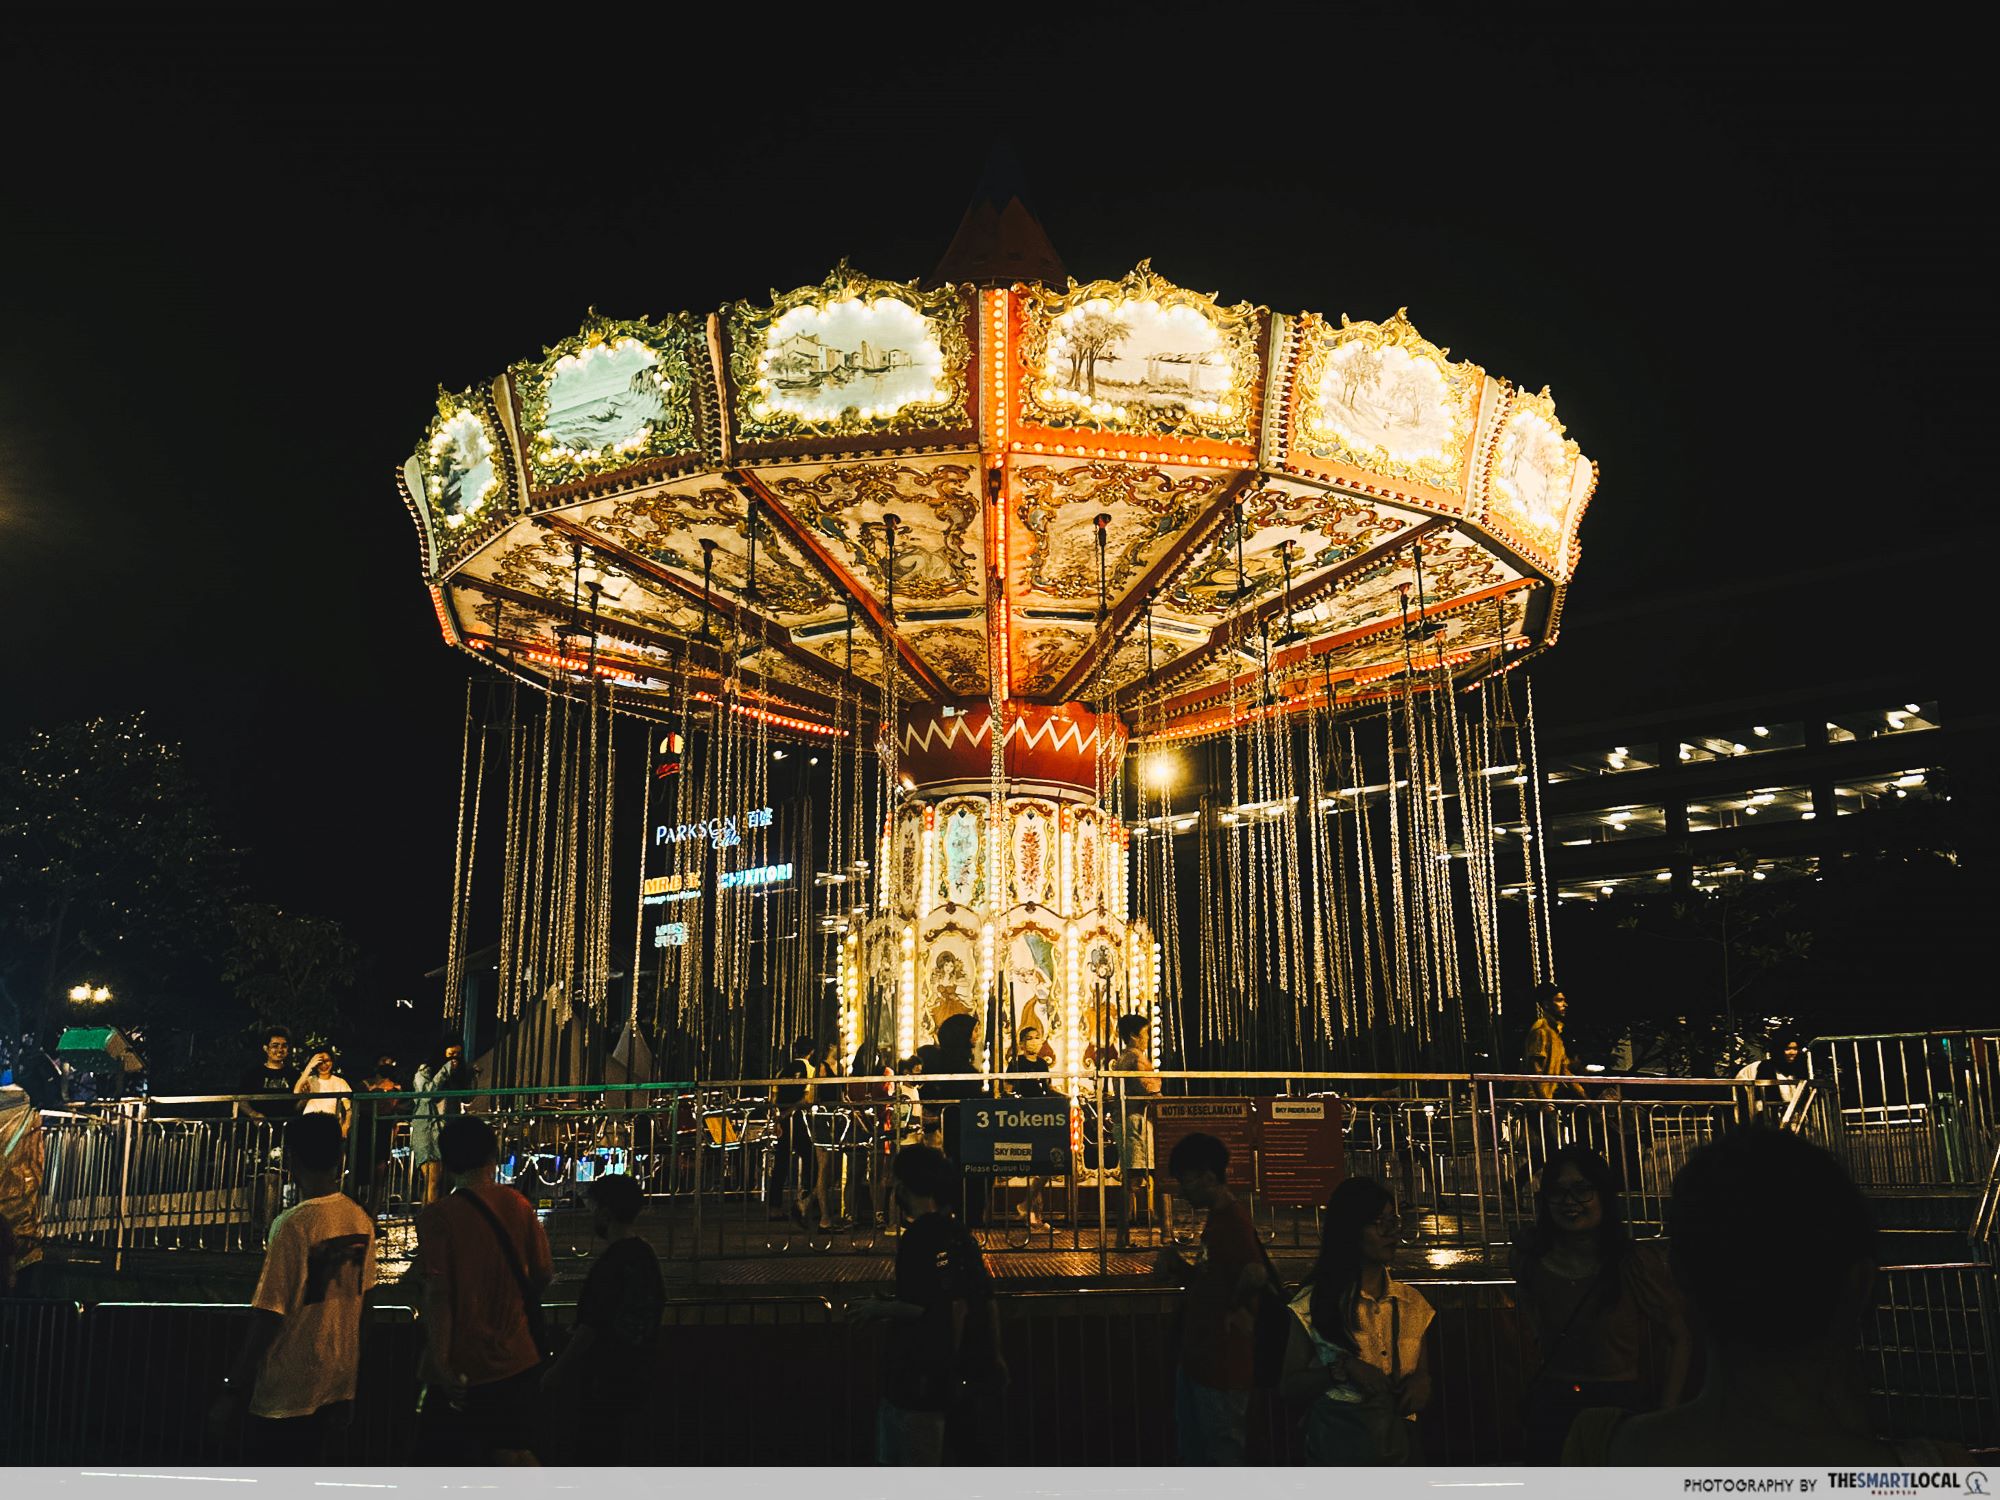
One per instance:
[(240, 258)]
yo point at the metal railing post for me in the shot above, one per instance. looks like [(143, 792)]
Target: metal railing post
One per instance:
[(1478, 1166), (128, 1130), (1103, 1234)]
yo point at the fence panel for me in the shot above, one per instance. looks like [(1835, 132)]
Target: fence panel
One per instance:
[(1931, 1352), (735, 1175), (1911, 1111), (790, 1380)]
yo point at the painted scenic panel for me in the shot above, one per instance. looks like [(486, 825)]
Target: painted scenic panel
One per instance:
[(1117, 359), (604, 397), (823, 363), (460, 475), (1390, 401)]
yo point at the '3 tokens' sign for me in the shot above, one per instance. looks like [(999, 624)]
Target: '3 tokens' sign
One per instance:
[(1013, 1137)]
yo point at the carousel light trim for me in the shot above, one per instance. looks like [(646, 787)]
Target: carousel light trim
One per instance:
[(927, 891), (576, 664), (1071, 1059), (1153, 1000), (782, 721), (906, 1011), (850, 997)]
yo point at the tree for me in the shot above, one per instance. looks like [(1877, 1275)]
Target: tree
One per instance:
[(1093, 336), (292, 971), (1688, 982), (111, 872)]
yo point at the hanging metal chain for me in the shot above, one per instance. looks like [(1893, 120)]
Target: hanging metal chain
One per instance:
[(1545, 903), (455, 939)]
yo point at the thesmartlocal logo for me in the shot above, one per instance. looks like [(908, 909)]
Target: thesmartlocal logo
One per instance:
[(1907, 1481)]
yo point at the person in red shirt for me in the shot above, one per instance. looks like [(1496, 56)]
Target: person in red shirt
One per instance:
[(485, 1263), (1218, 1352)]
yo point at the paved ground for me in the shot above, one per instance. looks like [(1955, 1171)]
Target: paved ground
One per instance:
[(739, 1244)]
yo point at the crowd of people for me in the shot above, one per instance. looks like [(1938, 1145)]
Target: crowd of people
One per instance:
[(1725, 1342), (881, 1105), (1768, 1268), (489, 1372)]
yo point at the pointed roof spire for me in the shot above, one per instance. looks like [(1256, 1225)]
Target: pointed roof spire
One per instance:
[(999, 241)]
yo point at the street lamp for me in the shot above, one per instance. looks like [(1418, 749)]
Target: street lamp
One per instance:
[(85, 994)]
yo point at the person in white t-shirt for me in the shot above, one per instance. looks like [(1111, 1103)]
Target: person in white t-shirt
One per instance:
[(295, 1374), (327, 1093)]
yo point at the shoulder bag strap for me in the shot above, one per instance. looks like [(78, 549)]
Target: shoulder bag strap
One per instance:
[(506, 1249), (1549, 1354), (1271, 1271)]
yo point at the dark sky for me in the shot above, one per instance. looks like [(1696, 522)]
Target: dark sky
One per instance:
[(240, 257)]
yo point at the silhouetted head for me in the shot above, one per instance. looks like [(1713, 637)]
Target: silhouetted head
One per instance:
[(1550, 1001), (313, 1144), (1199, 1168), (466, 1143), (924, 1172), (1771, 1242), (955, 1038), (615, 1200)]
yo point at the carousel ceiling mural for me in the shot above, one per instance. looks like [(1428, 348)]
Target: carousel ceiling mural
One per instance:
[(1123, 492)]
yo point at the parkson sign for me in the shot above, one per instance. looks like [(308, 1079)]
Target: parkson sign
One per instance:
[(720, 832)]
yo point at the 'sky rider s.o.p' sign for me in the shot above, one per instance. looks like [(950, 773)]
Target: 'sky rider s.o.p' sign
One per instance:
[(1013, 1137)]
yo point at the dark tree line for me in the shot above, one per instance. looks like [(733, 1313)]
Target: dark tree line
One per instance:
[(113, 873)]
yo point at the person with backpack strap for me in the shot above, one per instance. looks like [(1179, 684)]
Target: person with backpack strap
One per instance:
[(485, 1263), (1226, 1282)]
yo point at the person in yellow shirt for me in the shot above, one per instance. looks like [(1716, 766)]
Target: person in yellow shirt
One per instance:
[(1545, 1052)]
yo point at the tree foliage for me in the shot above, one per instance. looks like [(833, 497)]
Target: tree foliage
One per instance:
[(1879, 940), (111, 871), (292, 971)]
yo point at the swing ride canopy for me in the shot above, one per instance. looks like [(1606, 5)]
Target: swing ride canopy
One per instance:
[(1123, 493)]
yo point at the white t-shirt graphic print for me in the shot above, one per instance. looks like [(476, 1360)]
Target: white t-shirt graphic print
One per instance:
[(320, 1264)]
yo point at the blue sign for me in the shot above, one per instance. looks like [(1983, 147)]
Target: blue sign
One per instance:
[(1013, 1137), (730, 880)]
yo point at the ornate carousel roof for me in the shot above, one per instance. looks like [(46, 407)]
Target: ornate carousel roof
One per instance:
[(1122, 492)]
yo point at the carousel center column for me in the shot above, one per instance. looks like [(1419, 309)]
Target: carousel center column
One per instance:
[(1026, 923)]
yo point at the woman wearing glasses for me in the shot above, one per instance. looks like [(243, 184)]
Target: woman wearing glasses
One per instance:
[(1589, 1298)]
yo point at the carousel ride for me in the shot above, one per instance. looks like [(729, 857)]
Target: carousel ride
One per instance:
[(1002, 555)]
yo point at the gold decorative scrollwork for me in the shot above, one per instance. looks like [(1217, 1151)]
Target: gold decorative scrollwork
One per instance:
[(955, 653), (1146, 505), (927, 568), (772, 370), (654, 416), (1045, 654), (654, 523), (1168, 390), (1396, 405)]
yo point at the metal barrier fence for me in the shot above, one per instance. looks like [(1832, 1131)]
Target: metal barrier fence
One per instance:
[(1916, 1110), (1932, 1352), (736, 1174), (789, 1380)]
